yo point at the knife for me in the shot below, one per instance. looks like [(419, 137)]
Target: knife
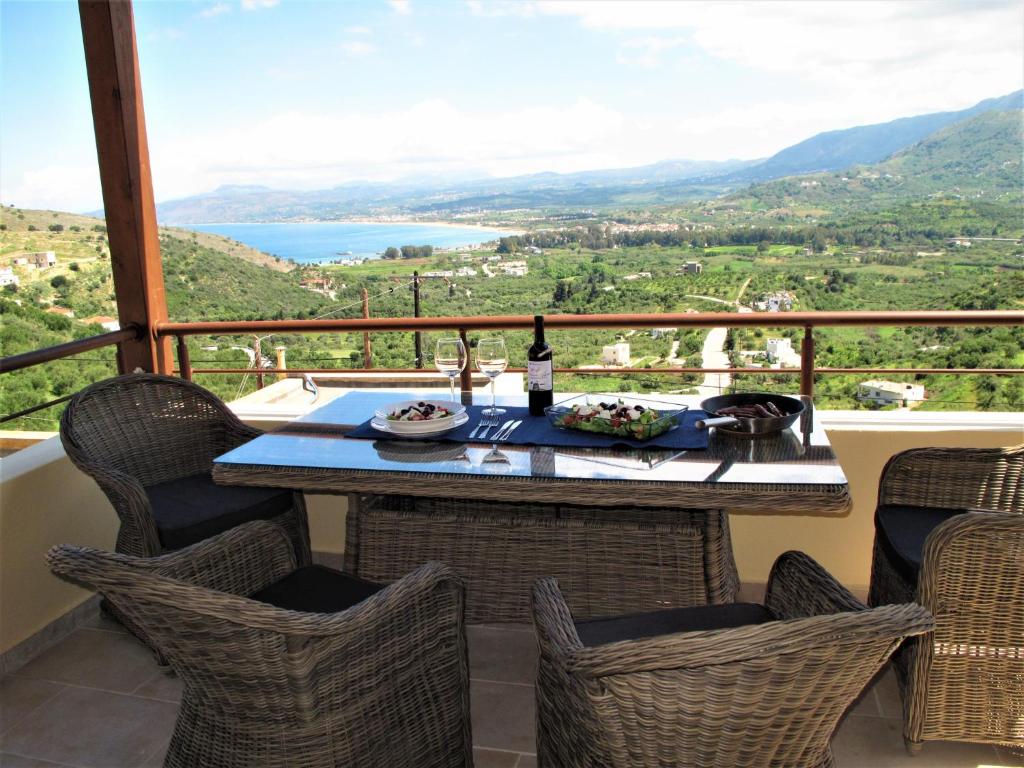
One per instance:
[(504, 433)]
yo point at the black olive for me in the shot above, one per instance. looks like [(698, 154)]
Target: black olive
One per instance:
[(420, 404), (639, 409)]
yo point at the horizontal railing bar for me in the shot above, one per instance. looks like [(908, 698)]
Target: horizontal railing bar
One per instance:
[(34, 408), (620, 371), (56, 352), (516, 322)]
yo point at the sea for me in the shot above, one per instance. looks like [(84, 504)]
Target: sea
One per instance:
[(322, 242)]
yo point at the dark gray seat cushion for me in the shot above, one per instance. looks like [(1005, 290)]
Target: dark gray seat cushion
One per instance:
[(641, 625), (901, 533), (316, 589), (195, 508)]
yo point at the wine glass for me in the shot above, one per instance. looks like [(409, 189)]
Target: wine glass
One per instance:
[(491, 359), (450, 359)]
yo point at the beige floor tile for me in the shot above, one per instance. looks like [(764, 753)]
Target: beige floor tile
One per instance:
[(502, 655), (93, 729), (877, 742), (492, 758), (503, 716), (161, 686), (19, 697), (18, 761), (101, 621), (97, 659)]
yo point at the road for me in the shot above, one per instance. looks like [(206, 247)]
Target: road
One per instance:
[(713, 354)]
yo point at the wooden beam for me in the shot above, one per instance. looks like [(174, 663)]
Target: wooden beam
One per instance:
[(115, 87)]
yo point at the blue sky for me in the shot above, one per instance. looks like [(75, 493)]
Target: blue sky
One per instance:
[(314, 94)]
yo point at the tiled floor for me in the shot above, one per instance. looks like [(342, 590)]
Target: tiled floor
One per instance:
[(97, 700)]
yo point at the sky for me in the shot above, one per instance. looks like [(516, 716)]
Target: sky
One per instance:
[(310, 95)]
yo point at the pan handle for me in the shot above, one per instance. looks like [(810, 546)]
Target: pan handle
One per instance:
[(719, 421)]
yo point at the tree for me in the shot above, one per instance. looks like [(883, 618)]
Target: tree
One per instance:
[(392, 253), (56, 227), (31, 227), (58, 281)]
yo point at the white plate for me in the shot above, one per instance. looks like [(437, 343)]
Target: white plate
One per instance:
[(428, 427), (434, 427)]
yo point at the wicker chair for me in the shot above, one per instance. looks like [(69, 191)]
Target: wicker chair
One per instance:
[(949, 534), (727, 685), (149, 442), (382, 683)]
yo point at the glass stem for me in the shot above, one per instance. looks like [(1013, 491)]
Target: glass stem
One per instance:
[(451, 386), (494, 397)]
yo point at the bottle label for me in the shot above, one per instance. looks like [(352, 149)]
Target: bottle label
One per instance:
[(538, 374)]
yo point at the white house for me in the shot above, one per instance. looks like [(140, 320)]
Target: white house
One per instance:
[(465, 272), (780, 301), (7, 277), (657, 333), (692, 268), (515, 269), (781, 352), (889, 392), (615, 354)]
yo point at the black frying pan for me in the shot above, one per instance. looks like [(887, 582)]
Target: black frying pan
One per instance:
[(790, 406)]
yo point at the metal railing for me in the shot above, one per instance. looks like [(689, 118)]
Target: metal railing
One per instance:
[(808, 321)]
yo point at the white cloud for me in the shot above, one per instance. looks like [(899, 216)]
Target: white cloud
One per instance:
[(916, 56), (214, 10), (252, 5), (56, 187), (646, 51), (497, 8), (356, 48), (310, 151), (401, 7), (358, 30)]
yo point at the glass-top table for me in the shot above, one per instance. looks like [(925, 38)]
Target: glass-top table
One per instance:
[(794, 471)]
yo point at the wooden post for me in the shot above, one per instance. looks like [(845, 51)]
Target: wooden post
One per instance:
[(257, 362), (115, 88), (807, 363), (184, 362), (466, 376), (367, 352), (418, 344)]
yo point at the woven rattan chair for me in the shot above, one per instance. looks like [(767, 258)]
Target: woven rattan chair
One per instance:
[(149, 442), (949, 534), (383, 682), (729, 685)]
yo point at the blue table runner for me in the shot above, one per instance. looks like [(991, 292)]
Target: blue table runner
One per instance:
[(537, 430)]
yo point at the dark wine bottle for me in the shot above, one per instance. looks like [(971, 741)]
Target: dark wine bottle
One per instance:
[(540, 377)]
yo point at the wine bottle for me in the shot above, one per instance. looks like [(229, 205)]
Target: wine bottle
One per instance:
[(540, 378)]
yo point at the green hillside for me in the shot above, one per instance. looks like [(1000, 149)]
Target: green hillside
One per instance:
[(974, 160)]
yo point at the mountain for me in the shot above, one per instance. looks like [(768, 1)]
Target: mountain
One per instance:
[(665, 182), (835, 150), (975, 159)]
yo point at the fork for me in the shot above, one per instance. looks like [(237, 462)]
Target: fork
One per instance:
[(486, 421)]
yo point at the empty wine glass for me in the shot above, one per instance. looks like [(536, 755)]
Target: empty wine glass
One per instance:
[(492, 360), (450, 359)]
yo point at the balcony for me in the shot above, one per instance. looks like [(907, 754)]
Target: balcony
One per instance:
[(78, 690)]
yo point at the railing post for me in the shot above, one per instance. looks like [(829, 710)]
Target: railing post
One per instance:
[(807, 362), (416, 313), (257, 362), (466, 375), (184, 362), (367, 352)]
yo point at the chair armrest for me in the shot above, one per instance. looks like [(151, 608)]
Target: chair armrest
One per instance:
[(799, 587), (955, 478), (240, 561), (974, 559), (552, 619), (138, 535)]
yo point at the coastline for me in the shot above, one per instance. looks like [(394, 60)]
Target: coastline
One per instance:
[(372, 222)]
